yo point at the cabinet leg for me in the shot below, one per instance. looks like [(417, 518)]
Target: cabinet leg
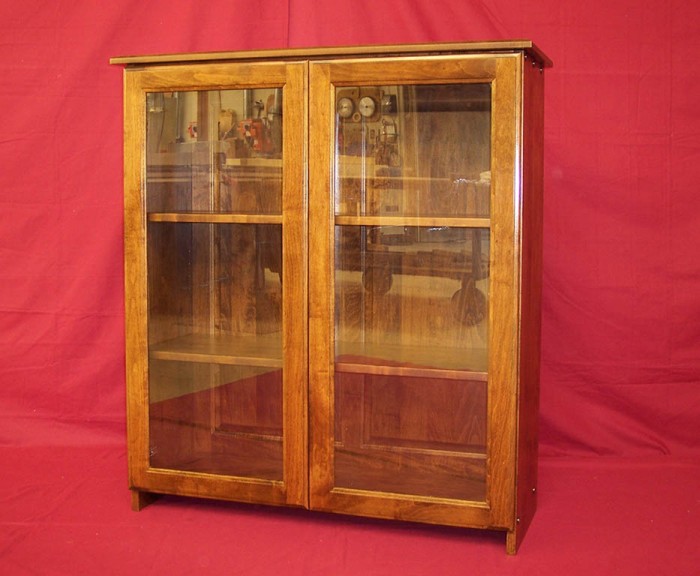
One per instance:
[(512, 541), (140, 500)]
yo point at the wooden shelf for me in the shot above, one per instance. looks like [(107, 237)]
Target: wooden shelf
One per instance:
[(263, 351), (417, 221), (413, 361), (214, 218), (179, 167), (275, 163)]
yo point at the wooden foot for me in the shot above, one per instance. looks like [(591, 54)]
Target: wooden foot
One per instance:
[(140, 500), (512, 542)]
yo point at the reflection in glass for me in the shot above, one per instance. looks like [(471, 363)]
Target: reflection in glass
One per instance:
[(421, 295), (422, 151), (412, 244), (215, 151), (213, 197)]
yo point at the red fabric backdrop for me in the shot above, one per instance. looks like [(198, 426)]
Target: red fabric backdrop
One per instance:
[(621, 324), (621, 320)]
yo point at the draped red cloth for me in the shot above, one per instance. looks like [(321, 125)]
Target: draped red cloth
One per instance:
[(620, 409)]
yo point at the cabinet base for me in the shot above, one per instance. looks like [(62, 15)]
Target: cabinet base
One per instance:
[(515, 537), (140, 499), (512, 542)]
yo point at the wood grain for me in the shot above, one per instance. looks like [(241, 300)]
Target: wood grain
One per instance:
[(202, 238), (322, 330), (345, 51)]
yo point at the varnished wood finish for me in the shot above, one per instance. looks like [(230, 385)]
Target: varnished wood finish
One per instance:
[(503, 312), (519, 46), (498, 500), (289, 486), (262, 350), (383, 414), (135, 288), (413, 221), (139, 499), (531, 202), (214, 218)]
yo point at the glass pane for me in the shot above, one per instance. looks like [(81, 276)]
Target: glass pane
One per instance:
[(215, 151), (411, 435), (412, 244), (419, 297), (214, 201), (413, 150), (215, 347), (216, 418)]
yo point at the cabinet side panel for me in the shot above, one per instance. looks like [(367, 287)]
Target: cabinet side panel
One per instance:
[(505, 258), (530, 296)]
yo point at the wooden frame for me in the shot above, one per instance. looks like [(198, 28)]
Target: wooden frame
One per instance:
[(502, 73), (509, 373), (144, 479)]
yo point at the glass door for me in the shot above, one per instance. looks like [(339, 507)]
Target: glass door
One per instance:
[(421, 200), (225, 289)]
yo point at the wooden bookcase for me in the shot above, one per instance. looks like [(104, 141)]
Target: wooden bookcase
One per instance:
[(333, 275)]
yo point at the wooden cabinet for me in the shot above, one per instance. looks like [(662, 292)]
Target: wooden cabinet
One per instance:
[(333, 262)]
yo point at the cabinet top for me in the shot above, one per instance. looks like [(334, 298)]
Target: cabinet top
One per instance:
[(344, 52)]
